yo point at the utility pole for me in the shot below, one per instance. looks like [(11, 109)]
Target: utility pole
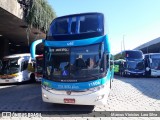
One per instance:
[(123, 42)]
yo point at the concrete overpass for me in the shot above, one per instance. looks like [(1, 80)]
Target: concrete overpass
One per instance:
[(13, 35), (152, 46)]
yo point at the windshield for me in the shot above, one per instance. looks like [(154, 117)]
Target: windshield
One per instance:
[(155, 64), (77, 24), (39, 65), (134, 54), (74, 62), (137, 65), (10, 66)]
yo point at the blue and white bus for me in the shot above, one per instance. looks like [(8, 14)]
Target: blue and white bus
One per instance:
[(76, 60), (152, 64), (130, 62)]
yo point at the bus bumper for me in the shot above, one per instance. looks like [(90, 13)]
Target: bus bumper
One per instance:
[(135, 73), (155, 73), (12, 80), (95, 98)]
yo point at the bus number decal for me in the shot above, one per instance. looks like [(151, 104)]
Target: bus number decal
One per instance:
[(95, 83), (68, 87)]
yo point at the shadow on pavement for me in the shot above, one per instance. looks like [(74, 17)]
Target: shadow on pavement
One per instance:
[(27, 98)]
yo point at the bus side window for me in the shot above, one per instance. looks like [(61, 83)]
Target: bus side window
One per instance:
[(24, 65)]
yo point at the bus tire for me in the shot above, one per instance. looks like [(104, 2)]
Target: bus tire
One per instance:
[(90, 107), (32, 77), (148, 74)]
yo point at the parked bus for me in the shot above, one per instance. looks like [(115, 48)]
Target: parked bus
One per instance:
[(130, 62), (39, 68), (76, 60), (16, 68), (152, 64)]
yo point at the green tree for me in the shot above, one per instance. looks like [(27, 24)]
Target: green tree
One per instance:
[(38, 13)]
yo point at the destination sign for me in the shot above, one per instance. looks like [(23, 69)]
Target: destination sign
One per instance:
[(57, 50)]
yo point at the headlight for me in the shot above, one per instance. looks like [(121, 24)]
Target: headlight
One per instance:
[(46, 87), (96, 88)]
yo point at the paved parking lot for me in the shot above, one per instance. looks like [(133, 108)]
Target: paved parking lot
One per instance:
[(127, 94)]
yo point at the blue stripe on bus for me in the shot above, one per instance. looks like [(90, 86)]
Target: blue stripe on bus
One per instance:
[(81, 42), (75, 86)]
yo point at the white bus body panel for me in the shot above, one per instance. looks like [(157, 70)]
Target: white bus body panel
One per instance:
[(12, 80), (22, 75), (80, 99), (155, 73)]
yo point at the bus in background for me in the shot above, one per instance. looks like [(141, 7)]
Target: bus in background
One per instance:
[(76, 60), (39, 68), (17, 68), (152, 64), (131, 63)]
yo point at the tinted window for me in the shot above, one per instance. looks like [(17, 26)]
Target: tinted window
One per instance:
[(10, 66), (75, 63), (70, 25), (134, 54), (155, 56)]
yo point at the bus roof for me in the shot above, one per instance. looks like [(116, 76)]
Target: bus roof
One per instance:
[(152, 54), (17, 55), (72, 15), (130, 50)]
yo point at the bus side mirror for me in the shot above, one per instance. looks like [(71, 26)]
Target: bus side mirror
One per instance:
[(33, 47)]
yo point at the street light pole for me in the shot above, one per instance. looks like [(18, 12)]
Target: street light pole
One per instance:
[(123, 43)]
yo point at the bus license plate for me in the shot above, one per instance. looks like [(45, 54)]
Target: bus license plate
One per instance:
[(66, 100), (7, 80)]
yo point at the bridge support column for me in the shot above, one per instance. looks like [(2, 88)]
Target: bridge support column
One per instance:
[(4, 47)]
